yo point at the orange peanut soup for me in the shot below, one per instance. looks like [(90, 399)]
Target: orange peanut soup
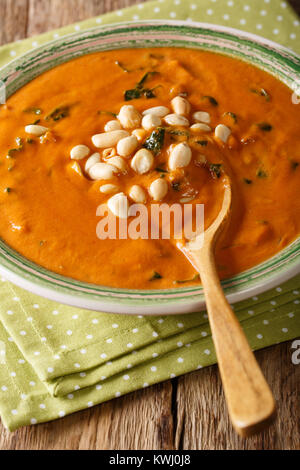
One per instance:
[(224, 110)]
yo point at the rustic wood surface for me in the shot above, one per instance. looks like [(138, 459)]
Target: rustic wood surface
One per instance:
[(185, 413)]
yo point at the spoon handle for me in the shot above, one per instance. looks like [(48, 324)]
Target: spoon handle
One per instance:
[(250, 401)]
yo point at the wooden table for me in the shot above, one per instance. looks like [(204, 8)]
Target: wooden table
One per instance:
[(184, 413)]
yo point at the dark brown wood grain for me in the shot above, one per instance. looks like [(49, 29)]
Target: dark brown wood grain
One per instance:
[(206, 424), (13, 20), (185, 413), (296, 5)]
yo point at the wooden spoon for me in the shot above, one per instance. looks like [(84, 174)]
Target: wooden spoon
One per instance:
[(250, 402)]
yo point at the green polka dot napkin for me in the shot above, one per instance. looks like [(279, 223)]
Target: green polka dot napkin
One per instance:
[(56, 359)]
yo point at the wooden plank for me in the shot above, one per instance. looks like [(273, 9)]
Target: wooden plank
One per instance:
[(13, 20), (142, 420), (203, 422), (45, 15)]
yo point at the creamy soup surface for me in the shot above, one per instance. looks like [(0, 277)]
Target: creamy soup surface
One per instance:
[(220, 113)]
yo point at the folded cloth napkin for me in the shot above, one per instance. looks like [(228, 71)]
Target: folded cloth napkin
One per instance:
[(56, 359)]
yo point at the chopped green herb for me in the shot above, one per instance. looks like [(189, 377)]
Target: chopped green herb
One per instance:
[(161, 170), (29, 140), (33, 110), (261, 174), (183, 281), (145, 77), (261, 92), (121, 66), (265, 126), (139, 89), (175, 186), (11, 152), (7, 190), (136, 93), (156, 140), (215, 169), (211, 99), (42, 242), (58, 113), (149, 93), (133, 94), (294, 164), (110, 113), (178, 132), (202, 142), (232, 115), (247, 181), (37, 121), (155, 276)]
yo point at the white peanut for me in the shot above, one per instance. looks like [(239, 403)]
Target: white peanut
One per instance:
[(180, 156), (137, 194), (108, 188), (158, 189), (176, 120), (201, 116), (129, 116), (222, 132), (79, 152), (139, 134), (142, 161), (112, 125), (150, 121), (102, 171), (92, 160), (160, 111), (118, 205), (36, 130), (118, 162), (108, 139), (127, 145), (200, 127), (180, 105)]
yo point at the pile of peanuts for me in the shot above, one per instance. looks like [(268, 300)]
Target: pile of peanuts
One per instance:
[(120, 141)]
